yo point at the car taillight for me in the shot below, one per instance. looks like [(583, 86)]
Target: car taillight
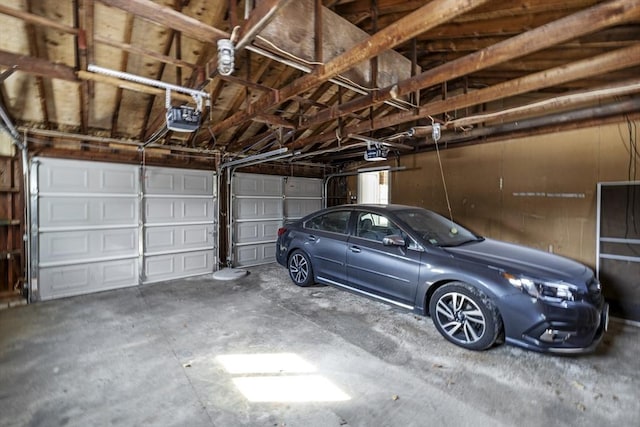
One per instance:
[(281, 231)]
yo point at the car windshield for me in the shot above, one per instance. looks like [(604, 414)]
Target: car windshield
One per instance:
[(436, 229)]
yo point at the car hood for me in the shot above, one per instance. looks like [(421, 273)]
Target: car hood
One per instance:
[(519, 259)]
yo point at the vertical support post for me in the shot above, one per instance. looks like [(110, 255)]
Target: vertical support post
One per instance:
[(35, 258), (414, 68), (141, 219)]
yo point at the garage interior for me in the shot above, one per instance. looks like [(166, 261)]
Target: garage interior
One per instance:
[(147, 144)]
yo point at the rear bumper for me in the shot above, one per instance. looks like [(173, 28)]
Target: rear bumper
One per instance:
[(281, 254)]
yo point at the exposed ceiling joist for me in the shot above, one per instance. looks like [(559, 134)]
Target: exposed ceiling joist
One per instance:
[(260, 17), (428, 16), (604, 63), (497, 61), (34, 19), (37, 66), (581, 23), (168, 17), (554, 104)]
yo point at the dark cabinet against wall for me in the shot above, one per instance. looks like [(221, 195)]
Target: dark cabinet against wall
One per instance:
[(619, 247)]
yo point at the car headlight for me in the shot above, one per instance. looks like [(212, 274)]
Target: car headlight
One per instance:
[(550, 291)]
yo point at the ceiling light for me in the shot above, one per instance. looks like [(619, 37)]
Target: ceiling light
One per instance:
[(226, 53)]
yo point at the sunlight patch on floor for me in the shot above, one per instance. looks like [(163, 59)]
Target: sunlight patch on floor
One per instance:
[(279, 377)]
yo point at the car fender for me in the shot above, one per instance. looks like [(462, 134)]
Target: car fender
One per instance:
[(486, 280)]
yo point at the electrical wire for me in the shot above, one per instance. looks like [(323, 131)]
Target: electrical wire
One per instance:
[(444, 182), (631, 213)]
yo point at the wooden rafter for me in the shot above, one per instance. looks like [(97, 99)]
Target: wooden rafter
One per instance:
[(37, 66), (560, 31), (604, 63), (170, 18), (428, 16)]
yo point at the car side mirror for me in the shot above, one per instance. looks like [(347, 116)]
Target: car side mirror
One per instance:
[(394, 240)]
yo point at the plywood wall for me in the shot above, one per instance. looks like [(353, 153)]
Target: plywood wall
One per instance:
[(539, 191)]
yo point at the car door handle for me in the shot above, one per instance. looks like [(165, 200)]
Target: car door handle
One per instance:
[(311, 237), (355, 249)]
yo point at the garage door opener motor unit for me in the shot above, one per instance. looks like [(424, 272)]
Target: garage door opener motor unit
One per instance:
[(183, 118)]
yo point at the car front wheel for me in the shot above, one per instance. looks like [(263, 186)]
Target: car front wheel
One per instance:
[(465, 316), (300, 269)]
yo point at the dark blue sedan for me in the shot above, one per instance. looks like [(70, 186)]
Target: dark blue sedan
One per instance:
[(478, 291)]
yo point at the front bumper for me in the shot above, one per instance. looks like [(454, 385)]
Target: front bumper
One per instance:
[(567, 328)]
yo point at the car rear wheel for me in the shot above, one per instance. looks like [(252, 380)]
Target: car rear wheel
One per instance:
[(465, 316), (300, 269)]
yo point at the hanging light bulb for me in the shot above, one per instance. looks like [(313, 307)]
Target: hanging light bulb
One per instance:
[(226, 53)]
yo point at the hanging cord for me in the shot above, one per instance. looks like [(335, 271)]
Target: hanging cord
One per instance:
[(436, 137)]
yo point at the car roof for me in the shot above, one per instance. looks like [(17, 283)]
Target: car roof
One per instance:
[(374, 207)]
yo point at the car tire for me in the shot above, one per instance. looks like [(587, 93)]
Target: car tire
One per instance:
[(465, 316), (300, 269)]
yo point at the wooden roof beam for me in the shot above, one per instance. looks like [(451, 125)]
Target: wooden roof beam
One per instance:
[(259, 18), (421, 20), (170, 18), (590, 20), (31, 18), (619, 59), (558, 103), (37, 66), (129, 48)]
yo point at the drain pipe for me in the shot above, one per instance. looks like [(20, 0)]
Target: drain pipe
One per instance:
[(21, 144)]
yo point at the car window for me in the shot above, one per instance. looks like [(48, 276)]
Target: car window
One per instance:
[(437, 229), (375, 227), (335, 222)]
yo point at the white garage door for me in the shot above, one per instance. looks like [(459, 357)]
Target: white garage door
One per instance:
[(179, 223), (86, 227), (261, 203), (302, 196), (92, 232)]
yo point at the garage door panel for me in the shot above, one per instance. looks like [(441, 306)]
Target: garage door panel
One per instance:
[(164, 210), (63, 281), (303, 187), (178, 181), (260, 205), (247, 232), (72, 176), (88, 233), (179, 223), (246, 184), (170, 266), (74, 246), (178, 238), (77, 212), (118, 273), (297, 208), (255, 254), (258, 208)]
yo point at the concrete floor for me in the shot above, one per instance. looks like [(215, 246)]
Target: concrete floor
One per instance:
[(160, 355)]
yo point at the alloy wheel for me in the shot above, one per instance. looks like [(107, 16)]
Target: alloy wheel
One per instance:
[(460, 318), (299, 268)]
